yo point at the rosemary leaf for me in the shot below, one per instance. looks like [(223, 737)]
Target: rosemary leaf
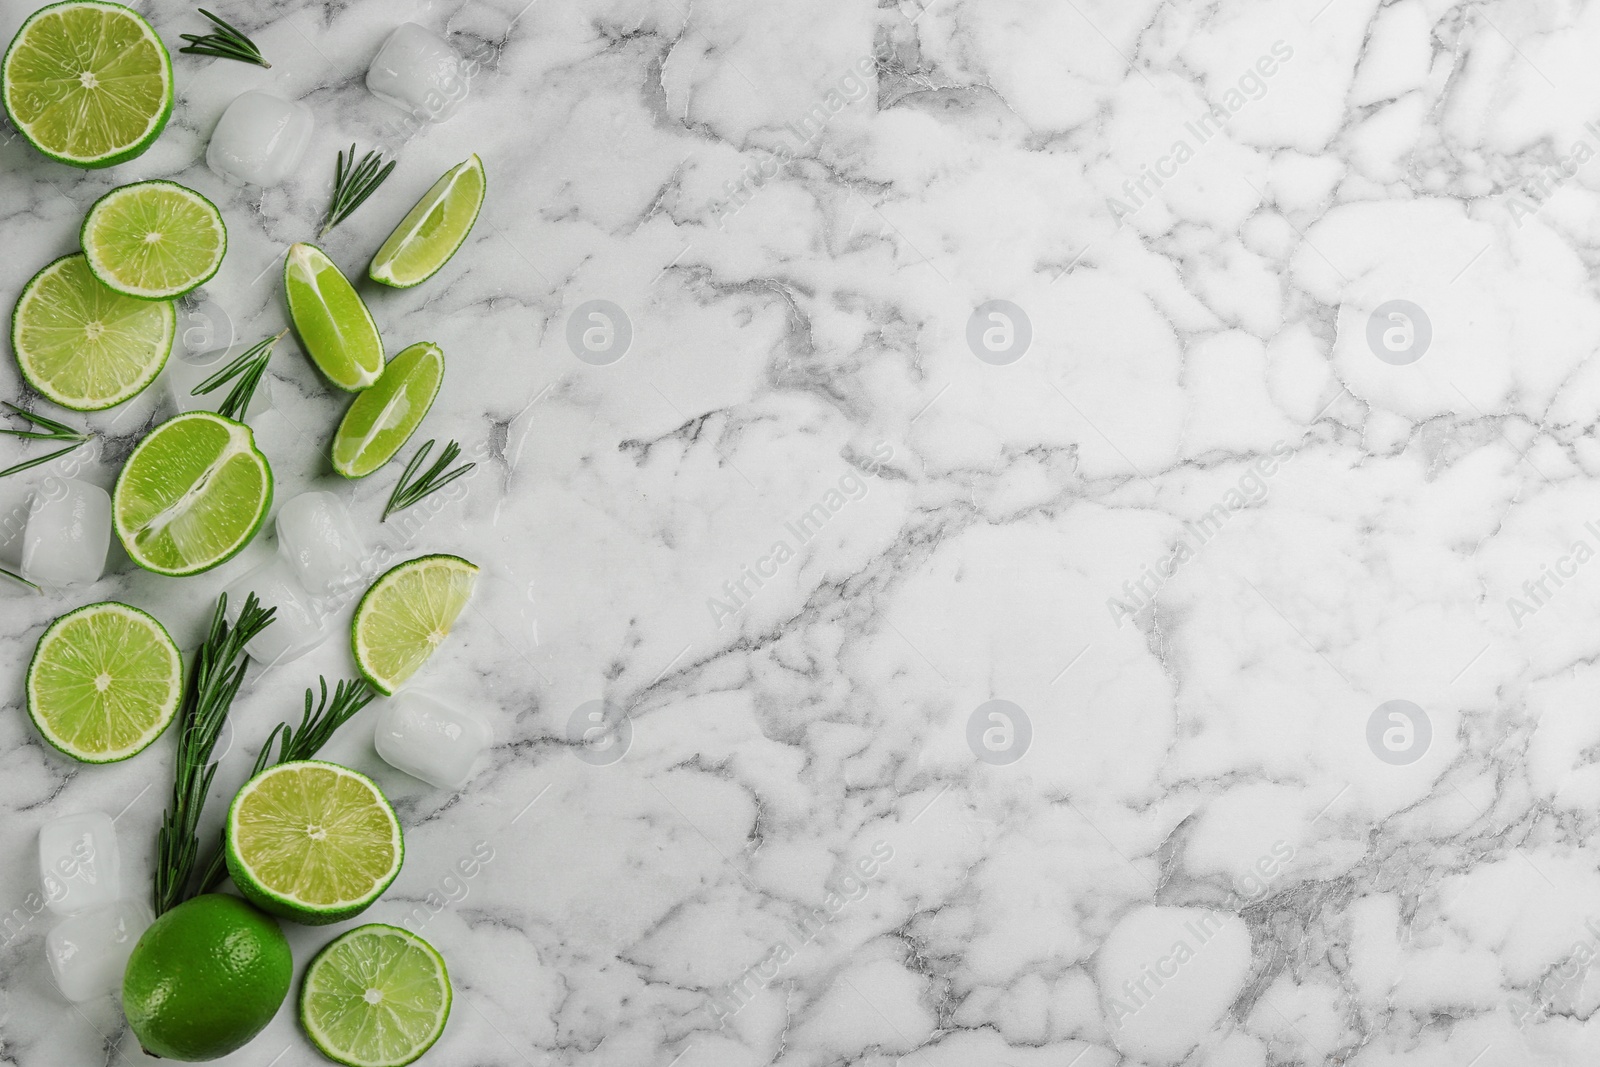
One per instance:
[(248, 367), (227, 43), (19, 578), (53, 430), (352, 183), (408, 491), (35, 461)]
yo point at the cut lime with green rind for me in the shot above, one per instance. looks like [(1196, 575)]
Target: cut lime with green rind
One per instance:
[(154, 240), (191, 495), (104, 682), (87, 83), (406, 614), (84, 346), (381, 419), (377, 996), (334, 325), (433, 230), (312, 842)]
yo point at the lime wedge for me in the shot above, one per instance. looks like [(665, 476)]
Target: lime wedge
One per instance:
[(432, 231), (381, 419), (406, 614), (87, 83), (312, 842), (192, 494), (154, 239), (84, 346), (104, 682), (334, 325), (377, 996)]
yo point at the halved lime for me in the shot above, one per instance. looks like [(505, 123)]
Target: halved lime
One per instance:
[(154, 239), (87, 83), (104, 682), (381, 419), (312, 841), (406, 614), (432, 231), (83, 345), (377, 996), (191, 495), (334, 325)]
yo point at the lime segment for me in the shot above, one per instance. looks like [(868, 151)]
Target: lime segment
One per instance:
[(154, 239), (381, 419), (81, 344), (432, 231), (87, 83), (192, 494), (334, 325), (406, 614), (104, 682), (377, 996)]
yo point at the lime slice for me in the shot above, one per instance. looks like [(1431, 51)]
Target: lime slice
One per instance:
[(87, 83), (154, 239), (377, 996), (104, 682), (191, 495), (84, 346), (383, 418), (406, 614), (334, 325), (432, 231), (312, 841)]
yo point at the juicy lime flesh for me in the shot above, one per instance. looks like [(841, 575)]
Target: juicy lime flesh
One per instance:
[(105, 682), (376, 996), (155, 239), (381, 419), (432, 230), (407, 614), (334, 325), (83, 345), (87, 82), (191, 495), (316, 835)]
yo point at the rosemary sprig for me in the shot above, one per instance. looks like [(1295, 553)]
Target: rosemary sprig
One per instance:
[(48, 430), (315, 730), (352, 183), (214, 681), (19, 578), (248, 367), (226, 43), (408, 491)]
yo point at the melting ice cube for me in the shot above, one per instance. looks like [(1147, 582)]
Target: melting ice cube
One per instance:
[(318, 538), (88, 953), (301, 623), (79, 863), (260, 139), (184, 372), (417, 71), (68, 534), (429, 739)]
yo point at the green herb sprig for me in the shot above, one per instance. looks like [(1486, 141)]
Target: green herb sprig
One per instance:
[(19, 578), (408, 491), (248, 367), (227, 43), (214, 681), (316, 727), (352, 183), (48, 430)]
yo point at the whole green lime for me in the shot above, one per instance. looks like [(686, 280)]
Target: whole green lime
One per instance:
[(205, 978)]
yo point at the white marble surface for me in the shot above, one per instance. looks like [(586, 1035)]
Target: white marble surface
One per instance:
[(1199, 857)]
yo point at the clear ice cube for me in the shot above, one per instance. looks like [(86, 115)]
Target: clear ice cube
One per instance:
[(301, 623), (68, 534), (260, 139), (429, 739), (417, 71), (88, 953), (184, 372), (79, 864), (318, 538)]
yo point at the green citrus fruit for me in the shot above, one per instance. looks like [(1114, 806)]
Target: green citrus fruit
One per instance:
[(377, 996), (153, 240), (432, 230), (406, 614), (335, 327), (381, 419)]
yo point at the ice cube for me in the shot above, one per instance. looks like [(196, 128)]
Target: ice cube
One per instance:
[(68, 534), (429, 739), (184, 372), (318, 538), (88, 953), (417, 71), (301, 622), (259, 140), (79, 863)]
